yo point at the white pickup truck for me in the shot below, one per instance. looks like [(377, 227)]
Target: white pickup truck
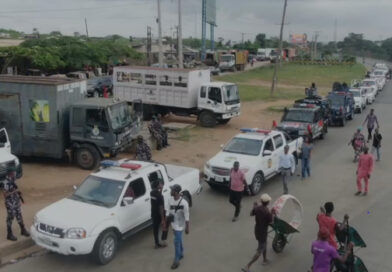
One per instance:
[(257, 151), (7, 160), (110, 205)]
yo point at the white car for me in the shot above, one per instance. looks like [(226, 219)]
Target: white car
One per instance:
[(381, 76), (258, 153), (380, 66), (370, 87), (110, 205), (359, 99), (7, 159)]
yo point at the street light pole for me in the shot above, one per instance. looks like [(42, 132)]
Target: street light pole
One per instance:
[(274, 78), (160, 55), (180, 54)]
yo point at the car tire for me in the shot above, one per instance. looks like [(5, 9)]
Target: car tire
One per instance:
[(207, 119), (257, 183), (87, 157), (105, 247)]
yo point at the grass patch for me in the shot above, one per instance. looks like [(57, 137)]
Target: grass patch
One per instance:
[(251, 93), (296, 75), (183, 135)]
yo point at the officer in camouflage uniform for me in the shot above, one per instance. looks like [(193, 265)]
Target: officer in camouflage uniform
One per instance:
[(163, 132), (155, 131), (13, 199), (143, 151)]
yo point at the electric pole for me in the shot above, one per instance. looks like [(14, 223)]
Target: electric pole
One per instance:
[(243, 36), (85, 22), (180, 54), (149, 43), (160, 56), (274, 78)]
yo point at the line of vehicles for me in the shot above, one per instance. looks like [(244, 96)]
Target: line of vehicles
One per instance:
[(114, 202)]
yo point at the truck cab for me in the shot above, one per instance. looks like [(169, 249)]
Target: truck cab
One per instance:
[(218, 102), (110, 205), (7, 159), (342, 107), (257, 151), (227, 62), (100, 128)]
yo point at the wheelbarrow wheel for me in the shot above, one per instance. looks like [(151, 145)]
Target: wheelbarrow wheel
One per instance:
[(279, 243)]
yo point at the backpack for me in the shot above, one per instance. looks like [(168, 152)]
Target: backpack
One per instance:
[(188, 197)]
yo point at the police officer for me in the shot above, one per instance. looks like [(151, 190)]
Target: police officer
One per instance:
[(164, 134), (155, 131), (13, 198), (143, 151)]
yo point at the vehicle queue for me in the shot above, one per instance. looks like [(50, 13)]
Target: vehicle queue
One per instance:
[(259, 151)]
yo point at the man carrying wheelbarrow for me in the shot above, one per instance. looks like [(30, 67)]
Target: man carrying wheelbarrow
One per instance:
[(263, 217)]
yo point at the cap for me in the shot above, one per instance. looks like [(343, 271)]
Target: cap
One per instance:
[(176, 188), (265, 198), (323, 233)]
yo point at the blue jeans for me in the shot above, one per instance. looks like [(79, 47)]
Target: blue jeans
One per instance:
[(305, 167), (179, 250)]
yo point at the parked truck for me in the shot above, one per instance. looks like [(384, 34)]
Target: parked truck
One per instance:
[(233, 61), (50, 117), (7, 160), (179, 91)]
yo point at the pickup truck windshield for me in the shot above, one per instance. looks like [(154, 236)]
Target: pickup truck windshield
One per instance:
[(120, 115), (368, 83), (227, 58), (231, 94), (336, 100), (244, 146), (298, 116), (99, 191)]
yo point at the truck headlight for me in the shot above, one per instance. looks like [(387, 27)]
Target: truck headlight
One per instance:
[(75, 233)]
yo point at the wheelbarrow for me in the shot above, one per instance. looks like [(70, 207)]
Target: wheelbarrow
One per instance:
[(345, 236), (283, 230)]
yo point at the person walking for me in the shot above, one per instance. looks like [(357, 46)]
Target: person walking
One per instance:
[(13, 199), (377, 143), (157, 211), (287, 167), (306, 150), (371, 120), (365, 169), (324, 253), (178, 214), (237, 185), (263, 217), (143, 151)]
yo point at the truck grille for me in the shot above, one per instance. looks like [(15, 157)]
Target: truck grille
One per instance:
[(50, 230), (221, 171), (5, 166)]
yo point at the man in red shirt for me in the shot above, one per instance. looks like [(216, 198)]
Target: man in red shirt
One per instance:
[(327, 221), (365, 168), (237, 186)]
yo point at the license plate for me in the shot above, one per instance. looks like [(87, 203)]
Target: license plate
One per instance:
[(45, 241), (220, 179)]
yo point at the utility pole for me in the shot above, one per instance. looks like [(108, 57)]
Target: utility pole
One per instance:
[(85, 22), (242, 43), (149, 44), (274, 78), (180, 54), (212, 37), (203, 29), (160, 56)]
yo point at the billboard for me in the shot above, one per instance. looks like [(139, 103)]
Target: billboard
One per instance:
[(211, 12), (299, 39)]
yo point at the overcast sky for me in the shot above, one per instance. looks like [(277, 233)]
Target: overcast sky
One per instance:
[(131, 17)]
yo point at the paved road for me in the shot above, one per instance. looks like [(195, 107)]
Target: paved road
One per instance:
[(216, 244)]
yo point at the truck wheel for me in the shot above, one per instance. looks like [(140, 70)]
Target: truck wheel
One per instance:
[(257, 182), (223, 121), (207, 119), (105, 247), (87, 157)]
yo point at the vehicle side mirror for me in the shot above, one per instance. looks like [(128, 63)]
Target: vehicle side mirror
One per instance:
[(127, 201), (267, 153), (222, 146), (75, 187)]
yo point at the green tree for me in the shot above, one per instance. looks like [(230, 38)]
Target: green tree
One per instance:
[(261, 40)]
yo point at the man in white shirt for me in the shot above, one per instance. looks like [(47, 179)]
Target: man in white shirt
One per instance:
[(178, 209), (287, 167)]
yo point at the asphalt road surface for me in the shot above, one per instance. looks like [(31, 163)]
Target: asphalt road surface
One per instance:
[(217, 244)]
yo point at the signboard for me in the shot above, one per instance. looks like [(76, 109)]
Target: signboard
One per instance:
[(211, 12), (299, 39)]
